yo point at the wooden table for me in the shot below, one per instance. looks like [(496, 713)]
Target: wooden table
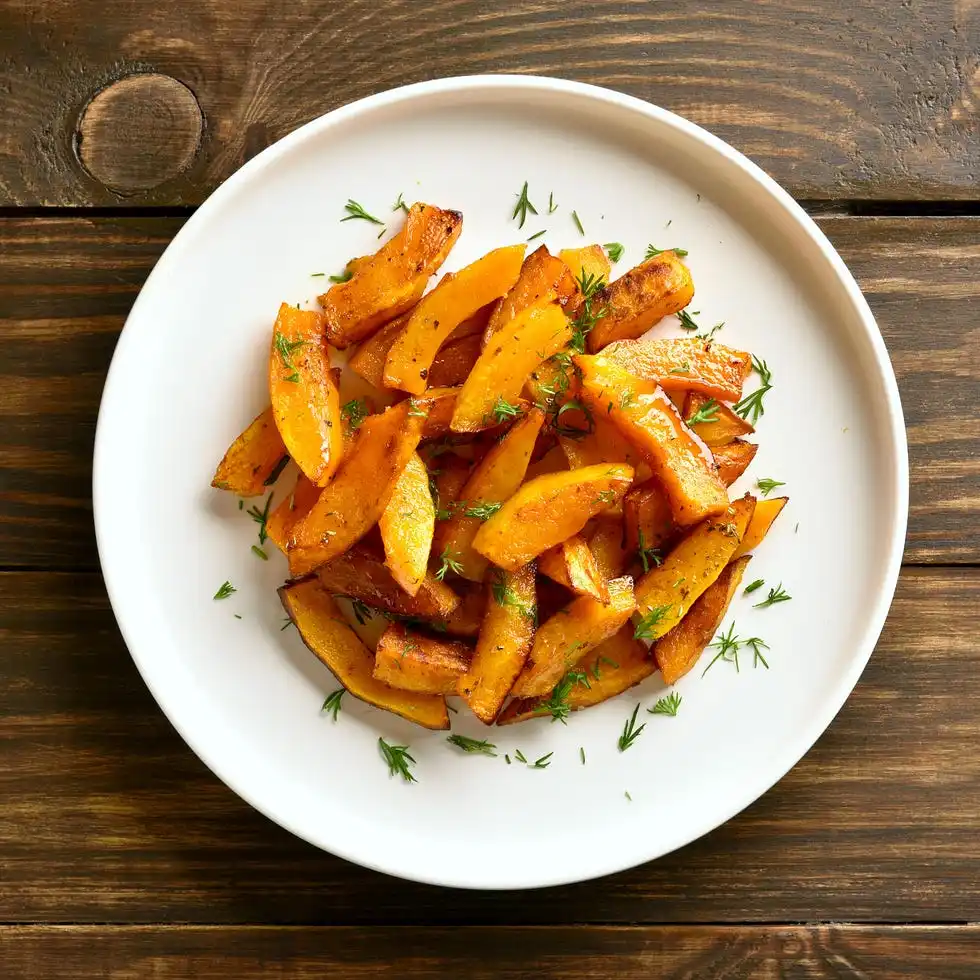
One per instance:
[(120, 854)]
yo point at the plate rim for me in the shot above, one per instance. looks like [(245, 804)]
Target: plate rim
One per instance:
[(873, 622)]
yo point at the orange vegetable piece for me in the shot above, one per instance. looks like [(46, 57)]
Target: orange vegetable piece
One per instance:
[(441, 403), (407, 525), (501, 370), (687, 363), (571, 633), (571, 564), (641, 298), (252, 458), (495, 479), (646, 510), (543, 279), (604, 444), (368, 360), (294, 508), (644, 414), (504, 642), (360, 490), (458, 296), (667, 592), (361, 574), (394, 278), (305, 400), (590, 261), (328, 635), (455, 361), (733, 460), (548, 510), (725, 427), (411, 661), (614, 666), (677, 651), (607, 543), (766, 511)]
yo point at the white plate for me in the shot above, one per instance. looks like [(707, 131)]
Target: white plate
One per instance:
[(189, 373)]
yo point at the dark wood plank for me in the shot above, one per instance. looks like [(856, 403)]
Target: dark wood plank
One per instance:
[(66, 285), (857, 100), (830, 952), (106, 816)]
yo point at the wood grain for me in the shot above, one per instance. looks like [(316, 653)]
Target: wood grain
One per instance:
[(105, 815), (66, 285), (857, 100), (831, 952)]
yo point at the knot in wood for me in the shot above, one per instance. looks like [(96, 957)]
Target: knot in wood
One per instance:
[(139, 132)]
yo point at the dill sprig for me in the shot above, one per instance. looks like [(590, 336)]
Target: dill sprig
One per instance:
[(578, 222), (572, 431), (418, 410), (259, 553), (345, 276), (400, 204), (450, 563), (399, 760), (752, 586), (543, 762), (583, 324), (557, 704), (646, 627), (708, 412), (356, 212), (710, 333), (477, 746), (361, 610), (537, 234), (645, 554), (332, 704), (751, 407), (614, 250), (667, 705), (354, 413), (285, 349), (523, 206), (224, 590), (552, 207), (767, 486), (653, 251), (482, 510), (261, 517), (630, 731), (687, 319), (778, 594), (727, 644), (758, 646), (503, 410)]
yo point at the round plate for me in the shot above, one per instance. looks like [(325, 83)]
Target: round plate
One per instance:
[(190, 372)]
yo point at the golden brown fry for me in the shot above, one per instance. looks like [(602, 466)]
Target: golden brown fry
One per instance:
[(571, 564), (368, 360), (325, 631), (604, 444), (733, 460), (505, 364), (305, 400), (411, 661), (360, 490), (453, 363), (543, 279), (466, 618), (251, 458), (614, 666), (495, 479), (683, 364), (677, 651), (667, 592), (641, 298), (504, 642), (607, 542), (407, 525), (458, 296), (644, 414), (724, 427), (394, 278), (766, 511), (571, 633), (361, 574), (646, 511), (549, 510), (590, 261), (441, 403), (294, 508)]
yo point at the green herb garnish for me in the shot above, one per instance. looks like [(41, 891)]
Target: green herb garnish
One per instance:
[(523, 206), (727, 644), (708, 412), (767, 486), (224, 590), (345, 276), (543, 762), (578, 222), (354, 413), (483, 511), (614, 250), (758, 646), (400, 204), (473, 745), (630, 732), (778, 594), (645, 554), (647, 626), (275, 474), (332, 704), (503, 410), (285, 349), (557, 705), (261, 517), (398, 759), (552, 207), (589, 284), (537, 234), (687, 319), (751, 407), (667, 705), (581, 752), (417, 409), (355, 211), (653, 251), (757, 584), (256, 550), (450, 563)]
